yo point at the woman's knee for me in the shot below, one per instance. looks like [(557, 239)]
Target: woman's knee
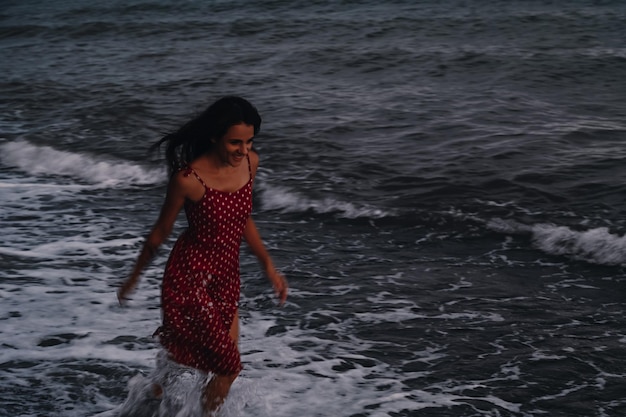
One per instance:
[(224, 380)]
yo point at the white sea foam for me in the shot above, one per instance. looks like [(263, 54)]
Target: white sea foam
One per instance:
[(290, 201), (45, 160), (286, 373), (597, 245), (72, 247)]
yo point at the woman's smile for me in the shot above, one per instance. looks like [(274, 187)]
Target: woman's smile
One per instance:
[(236, 143)]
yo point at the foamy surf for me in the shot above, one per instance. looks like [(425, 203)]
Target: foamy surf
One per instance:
[(597, 245), (46, 161), (289, 201)]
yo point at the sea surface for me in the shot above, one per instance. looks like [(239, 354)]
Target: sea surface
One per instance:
[(442, 183)]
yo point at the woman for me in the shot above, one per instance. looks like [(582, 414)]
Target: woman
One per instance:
[(212, 168)]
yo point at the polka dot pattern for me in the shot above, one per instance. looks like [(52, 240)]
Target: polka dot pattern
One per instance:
[(201, 284)]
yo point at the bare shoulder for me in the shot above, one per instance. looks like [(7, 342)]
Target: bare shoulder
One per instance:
[(185, 185)]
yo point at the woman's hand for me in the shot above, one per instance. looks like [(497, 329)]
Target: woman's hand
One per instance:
[(279, 283), (124, 291), (251, 234)]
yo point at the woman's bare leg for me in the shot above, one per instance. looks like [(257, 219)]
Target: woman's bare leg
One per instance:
[(234, 329), (216, 392), (217, 389)]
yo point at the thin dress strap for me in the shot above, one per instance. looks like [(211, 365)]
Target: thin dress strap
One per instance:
[(249, 166), (190, 170)]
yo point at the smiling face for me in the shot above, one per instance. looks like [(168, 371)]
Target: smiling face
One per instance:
[(233, 147)]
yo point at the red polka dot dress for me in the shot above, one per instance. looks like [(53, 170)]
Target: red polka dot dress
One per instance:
[(201, 284)]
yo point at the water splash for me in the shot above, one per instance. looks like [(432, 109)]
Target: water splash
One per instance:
[(178, 394)]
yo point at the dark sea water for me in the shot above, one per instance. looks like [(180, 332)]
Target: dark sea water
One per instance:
[(442, 182)]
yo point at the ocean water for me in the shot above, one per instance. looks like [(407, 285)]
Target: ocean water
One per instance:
[(442, 182)]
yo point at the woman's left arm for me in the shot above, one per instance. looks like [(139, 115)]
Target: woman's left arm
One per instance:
[(253, 238)]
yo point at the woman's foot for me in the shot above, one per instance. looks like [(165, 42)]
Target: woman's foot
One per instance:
[(157, 391)]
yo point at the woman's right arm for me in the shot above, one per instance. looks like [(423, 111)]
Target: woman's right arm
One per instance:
[(177, 191)]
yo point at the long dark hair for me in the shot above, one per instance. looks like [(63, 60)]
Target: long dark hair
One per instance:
[(196, 136)]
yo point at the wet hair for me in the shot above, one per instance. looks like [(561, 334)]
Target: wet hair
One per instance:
[(197, 136)]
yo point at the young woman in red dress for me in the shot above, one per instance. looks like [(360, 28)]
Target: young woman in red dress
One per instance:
[(212, 166)]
